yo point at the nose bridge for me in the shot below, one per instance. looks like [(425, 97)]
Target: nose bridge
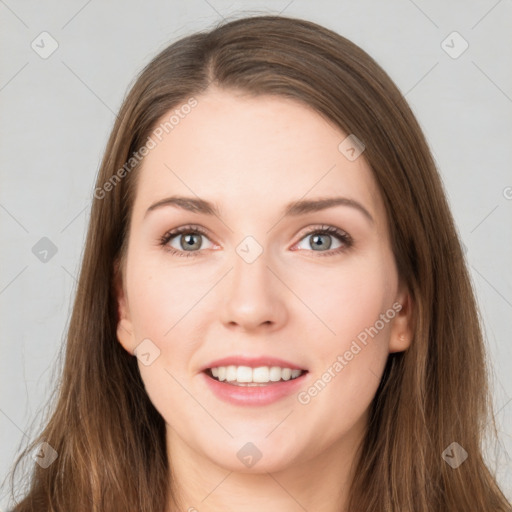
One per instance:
[(253, 296)]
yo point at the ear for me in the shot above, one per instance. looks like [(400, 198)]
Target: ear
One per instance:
[(402, 328), (124, 324)]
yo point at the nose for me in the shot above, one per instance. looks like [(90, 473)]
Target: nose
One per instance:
[(254, 298)]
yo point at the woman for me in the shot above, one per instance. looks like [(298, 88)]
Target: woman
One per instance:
[(264, 370)]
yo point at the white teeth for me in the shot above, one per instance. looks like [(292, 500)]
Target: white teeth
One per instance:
[(244, 374), (231, 373), (261, 374), (275, 373)]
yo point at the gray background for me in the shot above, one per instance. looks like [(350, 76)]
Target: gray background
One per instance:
[(57, 113)]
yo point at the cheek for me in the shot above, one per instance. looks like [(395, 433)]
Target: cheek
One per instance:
[(347, 302), (162, 298), (162, 308), (350, 354), (347, 372)]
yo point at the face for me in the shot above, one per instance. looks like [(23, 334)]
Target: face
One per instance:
[(261, 318)]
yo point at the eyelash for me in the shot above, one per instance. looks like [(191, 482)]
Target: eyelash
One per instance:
[(343, 237)]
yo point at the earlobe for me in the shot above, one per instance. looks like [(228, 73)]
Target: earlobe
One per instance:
[(125, 335), (402, 330)]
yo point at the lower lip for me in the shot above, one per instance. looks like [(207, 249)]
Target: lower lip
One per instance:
[(253, 395)]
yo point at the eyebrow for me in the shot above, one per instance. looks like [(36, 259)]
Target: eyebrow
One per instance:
[(293, 209)]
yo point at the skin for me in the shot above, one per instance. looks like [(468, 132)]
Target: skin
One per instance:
[(251, 156)]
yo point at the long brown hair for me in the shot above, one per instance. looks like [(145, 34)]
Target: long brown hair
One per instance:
[(110, 439)]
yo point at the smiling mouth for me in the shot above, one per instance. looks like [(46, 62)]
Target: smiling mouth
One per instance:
[(250, 377)]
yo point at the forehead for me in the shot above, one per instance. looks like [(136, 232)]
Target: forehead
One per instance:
[(244, 151)]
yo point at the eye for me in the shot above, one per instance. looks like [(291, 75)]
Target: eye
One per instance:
[(187, 240), (320, 240)]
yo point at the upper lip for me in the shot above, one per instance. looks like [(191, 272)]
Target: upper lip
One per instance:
[(252, 362)]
